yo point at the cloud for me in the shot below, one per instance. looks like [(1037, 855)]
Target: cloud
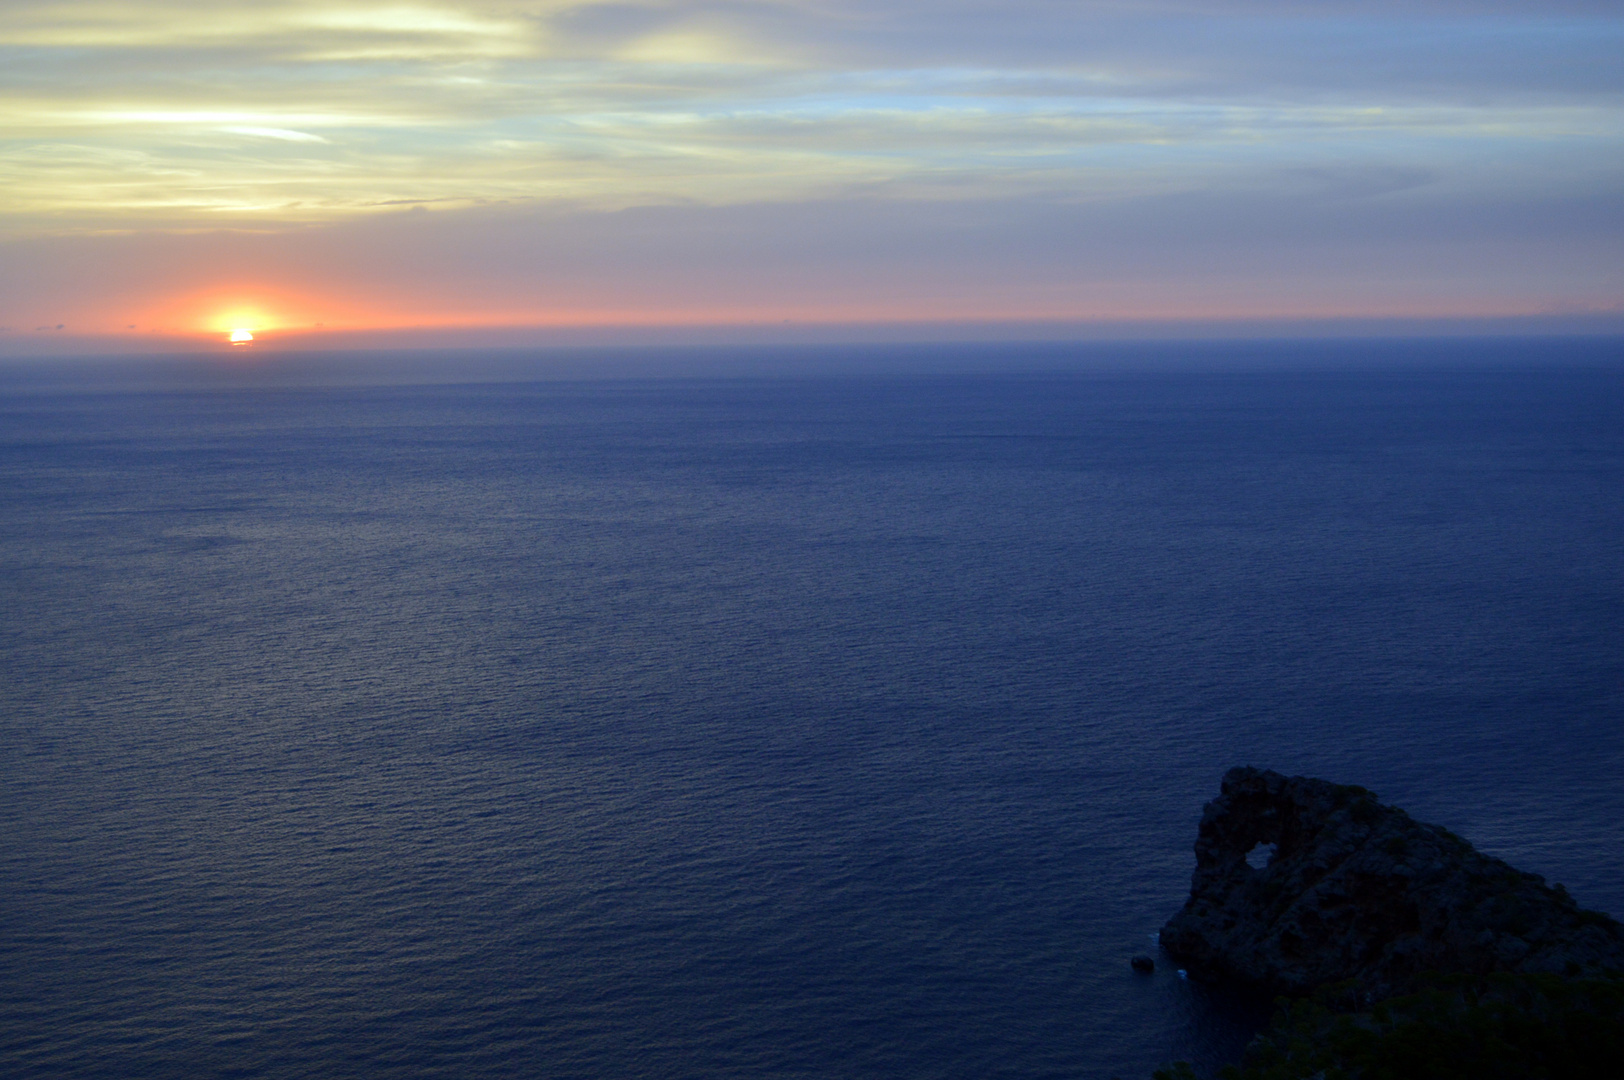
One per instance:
[(281, 28), (675, 126), (284, 134), (1293, 246), (985, 133)]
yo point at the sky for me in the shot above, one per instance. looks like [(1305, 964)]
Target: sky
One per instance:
[(329, 172)]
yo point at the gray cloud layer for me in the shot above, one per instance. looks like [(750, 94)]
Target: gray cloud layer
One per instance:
[(1029, 157)]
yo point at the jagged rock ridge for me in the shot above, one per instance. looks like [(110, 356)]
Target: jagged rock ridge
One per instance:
[(1360, 891)]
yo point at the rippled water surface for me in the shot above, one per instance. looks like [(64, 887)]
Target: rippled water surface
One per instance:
[(824, 728)]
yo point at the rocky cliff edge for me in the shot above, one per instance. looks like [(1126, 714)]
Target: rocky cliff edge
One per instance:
[(1354, 890)]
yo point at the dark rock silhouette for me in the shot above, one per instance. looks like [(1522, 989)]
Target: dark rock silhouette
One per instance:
[(1354, 890)]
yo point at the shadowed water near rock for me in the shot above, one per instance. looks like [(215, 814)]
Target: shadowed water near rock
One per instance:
[(1355, 890)]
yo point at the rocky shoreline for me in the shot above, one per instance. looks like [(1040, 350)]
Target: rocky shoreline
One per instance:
[(1356, 891), (1395, 938)]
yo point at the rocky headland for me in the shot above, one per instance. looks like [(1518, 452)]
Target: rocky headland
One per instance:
[(1354, 892)]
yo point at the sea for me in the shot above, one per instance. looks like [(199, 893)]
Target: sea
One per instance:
[(827, 714)]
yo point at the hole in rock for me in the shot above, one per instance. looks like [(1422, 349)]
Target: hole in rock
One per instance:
[(1260, 855)]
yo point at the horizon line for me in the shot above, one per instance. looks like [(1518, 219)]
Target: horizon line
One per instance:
[(58, 342)]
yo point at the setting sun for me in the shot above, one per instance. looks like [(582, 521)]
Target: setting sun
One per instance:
[(242, 337)]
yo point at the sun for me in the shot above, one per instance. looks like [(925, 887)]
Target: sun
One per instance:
[(242, 336)]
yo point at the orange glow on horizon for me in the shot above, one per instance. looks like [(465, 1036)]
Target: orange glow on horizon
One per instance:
[(259, 315)]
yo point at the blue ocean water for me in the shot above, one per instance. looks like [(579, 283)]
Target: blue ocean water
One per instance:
[(822, 727)]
